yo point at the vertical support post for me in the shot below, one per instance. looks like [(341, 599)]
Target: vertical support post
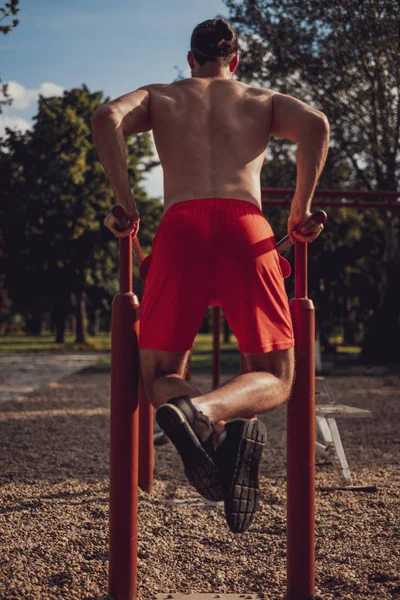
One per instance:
[(124, 434), (146, 446), (216, 346), (301, 442)]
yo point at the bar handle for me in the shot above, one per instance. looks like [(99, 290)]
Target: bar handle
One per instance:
[(316, 218), (119, 214), (123, 223)]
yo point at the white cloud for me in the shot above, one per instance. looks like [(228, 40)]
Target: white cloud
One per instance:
[(48, 89), (13, 123), (23, 97)]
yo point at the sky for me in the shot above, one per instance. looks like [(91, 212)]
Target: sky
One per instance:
[(114, 47)]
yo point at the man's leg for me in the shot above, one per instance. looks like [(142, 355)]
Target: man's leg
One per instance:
[(267, 385), (163, 375), (163, 379)]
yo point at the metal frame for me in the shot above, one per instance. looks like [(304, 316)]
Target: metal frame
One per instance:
[(131, 454)]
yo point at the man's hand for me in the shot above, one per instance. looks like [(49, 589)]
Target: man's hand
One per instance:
[(295, 220), (133, 223)]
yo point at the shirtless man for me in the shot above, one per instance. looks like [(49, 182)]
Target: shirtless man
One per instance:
[(214, 247)]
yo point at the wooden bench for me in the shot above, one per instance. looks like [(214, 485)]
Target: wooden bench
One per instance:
[(326, 415)]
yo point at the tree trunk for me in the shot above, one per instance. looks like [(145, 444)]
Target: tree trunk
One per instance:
[(94, 322), (80, 313), (227, 332), (34, 324), (61, 310)]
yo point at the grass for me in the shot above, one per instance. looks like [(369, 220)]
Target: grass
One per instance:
[(349, 349), (201, 355), (46, 343)]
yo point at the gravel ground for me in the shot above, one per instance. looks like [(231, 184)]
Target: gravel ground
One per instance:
[(54, 494)]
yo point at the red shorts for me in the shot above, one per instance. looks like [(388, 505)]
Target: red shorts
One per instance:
[(215, 252)]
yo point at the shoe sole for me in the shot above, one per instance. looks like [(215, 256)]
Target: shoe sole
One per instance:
[(200, 469), (242, 501)]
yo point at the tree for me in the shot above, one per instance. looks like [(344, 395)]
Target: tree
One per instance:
[(8, 11), (341, 57), (52, 206)]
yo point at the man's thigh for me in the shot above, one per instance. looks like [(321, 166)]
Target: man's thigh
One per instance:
[(156, 363), (280, 363)]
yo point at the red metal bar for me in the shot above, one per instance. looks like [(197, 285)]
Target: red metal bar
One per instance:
[(146, 446), (300, 270), (316, 218), (216, 346), (146, 412), (335, 193), (301, 443), (146, 432), (124, 434), (337, 204), (125, 265), (121, 217)]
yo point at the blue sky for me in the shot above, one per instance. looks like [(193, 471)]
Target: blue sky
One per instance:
[(112, 46)]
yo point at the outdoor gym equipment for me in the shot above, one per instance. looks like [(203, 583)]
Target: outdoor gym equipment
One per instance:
[(131, 452)]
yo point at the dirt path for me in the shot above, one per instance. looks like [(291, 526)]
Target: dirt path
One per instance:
[(54, 505), (22, 372)]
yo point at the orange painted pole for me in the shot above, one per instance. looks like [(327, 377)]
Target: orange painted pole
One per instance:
[(301, 442), (216, 346), (146, 446), (124, 435), (146, 413)]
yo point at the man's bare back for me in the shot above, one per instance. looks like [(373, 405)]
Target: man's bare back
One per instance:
[(211, 136), (211, 133)]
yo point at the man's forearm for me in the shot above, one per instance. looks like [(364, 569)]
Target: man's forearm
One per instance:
[(311, 156), (110, 145)]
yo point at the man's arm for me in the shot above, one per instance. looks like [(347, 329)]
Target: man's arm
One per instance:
[(309, 128), (111, 124)]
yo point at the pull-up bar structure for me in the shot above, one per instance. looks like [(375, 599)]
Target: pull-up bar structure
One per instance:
[(131, 441), (324, 198), (335, 198)]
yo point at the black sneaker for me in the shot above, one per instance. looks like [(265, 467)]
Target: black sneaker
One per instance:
[(238, 458), (187, 427)]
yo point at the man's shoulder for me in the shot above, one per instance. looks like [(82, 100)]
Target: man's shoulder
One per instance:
[(258, 91), (155, 87), (163, 90)]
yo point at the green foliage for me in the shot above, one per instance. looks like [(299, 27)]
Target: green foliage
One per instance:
[(7, 12), (45, 343), (53, 202), (342, 58)]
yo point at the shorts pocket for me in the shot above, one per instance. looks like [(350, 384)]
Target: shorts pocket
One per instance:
[(285, 267)]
